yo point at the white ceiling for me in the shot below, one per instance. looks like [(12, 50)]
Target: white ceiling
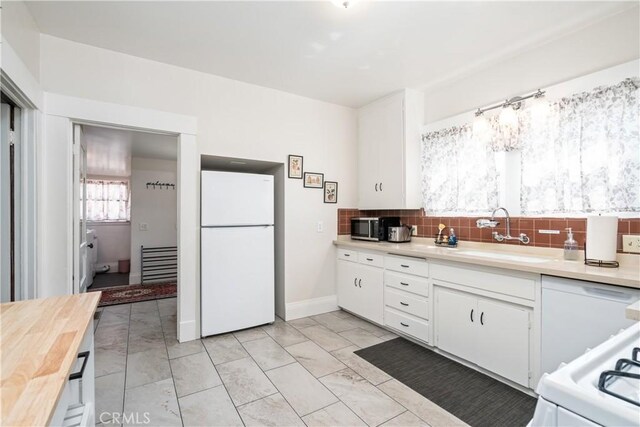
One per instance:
[(109, 151), (315, 49)]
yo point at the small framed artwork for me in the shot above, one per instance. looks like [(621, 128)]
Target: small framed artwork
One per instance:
[(313, 180), (330, 192), (295, 166)]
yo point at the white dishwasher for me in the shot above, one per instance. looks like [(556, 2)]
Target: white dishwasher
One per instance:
[(577, 315)]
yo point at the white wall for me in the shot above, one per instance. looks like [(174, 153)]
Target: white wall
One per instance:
[(114, 243), (234, 120), (612, 41), (155, 207), (22, 33), (55, 241)]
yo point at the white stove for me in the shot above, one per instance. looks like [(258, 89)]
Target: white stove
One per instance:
[(601, 387)]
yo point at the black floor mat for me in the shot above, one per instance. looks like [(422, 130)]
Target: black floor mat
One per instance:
[(475, 398)]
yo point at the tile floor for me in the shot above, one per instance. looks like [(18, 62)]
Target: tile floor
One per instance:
[(302, 372)]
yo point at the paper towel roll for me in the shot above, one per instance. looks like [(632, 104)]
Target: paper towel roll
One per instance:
[(602, 237)]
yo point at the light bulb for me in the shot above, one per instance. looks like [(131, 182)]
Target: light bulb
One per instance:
[(480, 126), (539, 109), (508, 117)]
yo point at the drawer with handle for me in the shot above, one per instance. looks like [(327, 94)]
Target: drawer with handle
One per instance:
[(406, 302), (416, 266), (376, 260), (347, 255), (407, 324), (406, 282)]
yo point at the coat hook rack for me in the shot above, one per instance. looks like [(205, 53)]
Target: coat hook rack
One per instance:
[(161, 185)]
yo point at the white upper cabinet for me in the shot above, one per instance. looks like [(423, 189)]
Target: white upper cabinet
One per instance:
[(389, 152)]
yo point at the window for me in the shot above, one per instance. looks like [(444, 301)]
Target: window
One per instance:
[(108, 200), (578, 155)]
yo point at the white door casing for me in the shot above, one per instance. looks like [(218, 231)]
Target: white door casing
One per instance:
[(80, 257), (5, 261), (60, 111)]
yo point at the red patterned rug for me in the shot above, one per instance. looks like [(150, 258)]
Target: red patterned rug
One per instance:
[(136, 293)]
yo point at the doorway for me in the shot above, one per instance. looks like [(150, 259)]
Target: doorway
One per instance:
[(10, 205), (127, 196)]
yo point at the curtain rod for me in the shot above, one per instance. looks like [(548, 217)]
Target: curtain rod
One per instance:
[(515, 102)]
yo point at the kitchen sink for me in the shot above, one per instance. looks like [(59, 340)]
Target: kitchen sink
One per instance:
[(503, 256)]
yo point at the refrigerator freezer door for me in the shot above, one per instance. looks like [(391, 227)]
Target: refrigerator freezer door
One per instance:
[(236, 199), (237, 276)]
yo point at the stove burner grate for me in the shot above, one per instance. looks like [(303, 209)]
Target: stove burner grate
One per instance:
[(608, 377)]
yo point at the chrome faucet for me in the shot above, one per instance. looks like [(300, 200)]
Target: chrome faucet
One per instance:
[(492, 223)]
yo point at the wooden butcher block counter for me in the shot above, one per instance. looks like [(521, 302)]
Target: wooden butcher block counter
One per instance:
[(39, 345)]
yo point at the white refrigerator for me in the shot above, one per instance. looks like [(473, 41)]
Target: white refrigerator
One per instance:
[(237, 251)]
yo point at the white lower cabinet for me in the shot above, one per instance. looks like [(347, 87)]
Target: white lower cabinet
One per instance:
[(455, 316), (492, 334), (360, 290), (407, 324), (483, 316), (76, 404)]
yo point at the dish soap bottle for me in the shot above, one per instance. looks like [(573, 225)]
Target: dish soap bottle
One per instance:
[(570, 247), (453, 240)]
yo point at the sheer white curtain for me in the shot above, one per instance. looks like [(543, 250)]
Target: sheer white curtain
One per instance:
[(107, 200), (584, 156), (578, 155), (459, 173)]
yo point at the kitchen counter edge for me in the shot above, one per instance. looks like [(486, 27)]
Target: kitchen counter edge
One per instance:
[(627, 276)]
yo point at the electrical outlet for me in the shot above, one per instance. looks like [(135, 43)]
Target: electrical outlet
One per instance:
[(414, 230), (320, 226), (631, 243)]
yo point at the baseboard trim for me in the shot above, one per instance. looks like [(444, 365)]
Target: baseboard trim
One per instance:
[(311, 307), (134, 279), (187, 331)]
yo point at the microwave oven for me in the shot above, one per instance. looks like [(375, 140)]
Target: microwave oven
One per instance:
[(373, 229)]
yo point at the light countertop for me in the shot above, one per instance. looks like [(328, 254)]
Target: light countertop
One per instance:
[(633, 311), (549, 261), (39, 343)]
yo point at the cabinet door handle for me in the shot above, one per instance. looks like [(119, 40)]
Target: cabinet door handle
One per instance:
[(404, 324), (376, 186), (369, 259), (360, 283), (404, 266), (355, 282), (404, 284), (404, 303), (347, 255), (471, 315), (380, 186), (481, 316), (77, 375)]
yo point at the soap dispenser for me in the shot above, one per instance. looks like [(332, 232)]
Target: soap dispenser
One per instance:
[(570, 247)]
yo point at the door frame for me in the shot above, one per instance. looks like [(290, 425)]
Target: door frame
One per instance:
[(62, 112), (30, 134)]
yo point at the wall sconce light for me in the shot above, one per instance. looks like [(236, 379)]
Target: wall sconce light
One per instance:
[(480, 125), (508, 116)]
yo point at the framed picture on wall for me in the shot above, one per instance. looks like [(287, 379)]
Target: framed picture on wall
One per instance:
[(295, 166), (313, 180), (330, 192)]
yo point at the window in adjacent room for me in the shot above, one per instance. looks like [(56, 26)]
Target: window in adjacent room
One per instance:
[(108, 200)]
